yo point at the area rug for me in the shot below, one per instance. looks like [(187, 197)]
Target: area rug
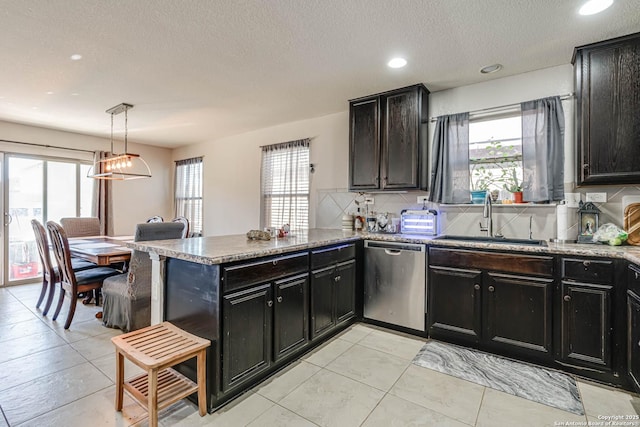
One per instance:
[(541, 385)]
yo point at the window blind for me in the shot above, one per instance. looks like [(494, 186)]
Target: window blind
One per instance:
[(188, 198), (285, 185)]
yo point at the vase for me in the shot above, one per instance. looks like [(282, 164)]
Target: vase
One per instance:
[(477, 196), (517, 197)]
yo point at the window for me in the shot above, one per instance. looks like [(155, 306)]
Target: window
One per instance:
[(189, 192), (285, 185), (495, 153)]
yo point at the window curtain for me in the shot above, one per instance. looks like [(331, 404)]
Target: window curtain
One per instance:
[(543, 149), (450, 164), (188, 193), (285, 185), (102, 198)]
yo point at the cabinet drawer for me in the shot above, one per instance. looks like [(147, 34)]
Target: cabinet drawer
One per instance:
[(633, 278), (587, 270), (326, 256), (493, 261), (241, 275)]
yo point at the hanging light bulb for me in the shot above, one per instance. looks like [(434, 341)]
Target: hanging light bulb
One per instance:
[(112, 166)]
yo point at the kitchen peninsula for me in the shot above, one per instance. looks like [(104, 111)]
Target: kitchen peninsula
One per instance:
[(264, 303)]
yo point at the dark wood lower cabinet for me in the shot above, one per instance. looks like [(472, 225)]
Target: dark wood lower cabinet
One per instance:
[(246, 339), (322, 318), (633, 339), (345, 291), (455, 303), (290, 320), (586, 324), (518, 313), (333, 296)]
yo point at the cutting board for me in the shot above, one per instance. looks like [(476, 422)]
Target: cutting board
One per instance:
[(632, 223), (626, 201)]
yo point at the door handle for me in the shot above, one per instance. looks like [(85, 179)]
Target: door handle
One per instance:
[(7, 215), (491, 289), (279, 299), (392, 252)]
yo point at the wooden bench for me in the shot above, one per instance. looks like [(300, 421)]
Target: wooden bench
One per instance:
[(156, 349)]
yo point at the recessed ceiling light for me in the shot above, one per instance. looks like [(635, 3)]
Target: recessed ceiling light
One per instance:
[(75, 94), (397, 63), (491, 68), (594, 6), (49, 93), (34, 108), (76, 57)]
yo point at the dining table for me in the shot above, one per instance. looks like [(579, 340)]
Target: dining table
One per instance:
[(101, 250)]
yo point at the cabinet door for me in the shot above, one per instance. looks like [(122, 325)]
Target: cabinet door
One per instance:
[(586, 324), (322, 301), (454, 303), (400, 143), (246, 340), (633, 339), (364, 145), (608, 84), (345, 290), (518, 313), (290, 318)]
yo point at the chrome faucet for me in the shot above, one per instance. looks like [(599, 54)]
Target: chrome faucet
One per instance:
[(487, 212)]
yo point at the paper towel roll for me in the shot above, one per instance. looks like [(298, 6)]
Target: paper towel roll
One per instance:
[(562, 221)]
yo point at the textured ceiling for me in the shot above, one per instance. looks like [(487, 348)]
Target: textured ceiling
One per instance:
[(199, 70)]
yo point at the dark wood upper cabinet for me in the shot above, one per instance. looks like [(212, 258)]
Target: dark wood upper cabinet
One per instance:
[(607, 83), (388, 140)]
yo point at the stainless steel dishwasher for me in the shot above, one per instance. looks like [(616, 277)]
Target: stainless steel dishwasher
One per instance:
[(395, 283)]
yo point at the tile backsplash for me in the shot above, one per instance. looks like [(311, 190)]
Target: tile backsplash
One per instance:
[(509, 220)]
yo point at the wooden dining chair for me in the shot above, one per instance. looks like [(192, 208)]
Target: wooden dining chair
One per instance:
[(49, 272), (81, 226), (156, 218), (71, 281), (185, 221)]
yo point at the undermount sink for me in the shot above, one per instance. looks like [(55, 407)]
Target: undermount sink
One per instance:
[(487, 239)]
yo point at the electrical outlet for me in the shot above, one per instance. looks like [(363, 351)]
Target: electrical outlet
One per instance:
[(369, 200), (597, 197), (572, 199), (423, 199)]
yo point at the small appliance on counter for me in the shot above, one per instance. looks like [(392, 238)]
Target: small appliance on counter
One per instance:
[(419, 222)]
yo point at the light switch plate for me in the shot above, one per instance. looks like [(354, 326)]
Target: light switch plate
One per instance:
[(597, 197), (369, 200), (422, 199), (572, 199)]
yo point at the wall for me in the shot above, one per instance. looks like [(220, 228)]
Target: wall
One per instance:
[(134, 201), (232, 169)]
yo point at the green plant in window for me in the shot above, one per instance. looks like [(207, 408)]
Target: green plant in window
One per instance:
[(512, 183), (491, 167)]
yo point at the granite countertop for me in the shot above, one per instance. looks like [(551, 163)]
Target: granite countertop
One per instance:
[(221, 249), (236, 247)]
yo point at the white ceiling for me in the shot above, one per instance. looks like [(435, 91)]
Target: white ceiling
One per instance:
[(199, 70)]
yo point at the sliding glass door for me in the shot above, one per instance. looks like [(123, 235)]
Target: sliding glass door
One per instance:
[(41, 188)]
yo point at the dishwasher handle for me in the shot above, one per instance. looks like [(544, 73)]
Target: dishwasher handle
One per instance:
[(392, 251), (395, 246)]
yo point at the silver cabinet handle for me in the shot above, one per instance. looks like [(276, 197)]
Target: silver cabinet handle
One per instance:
[(476, 287), (269, 303), (279, 299), (274, 262), (586, 263), (567, 298), (491, 289), (337, 278)]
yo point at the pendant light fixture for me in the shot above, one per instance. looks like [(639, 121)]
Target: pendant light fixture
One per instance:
[(120, 167)]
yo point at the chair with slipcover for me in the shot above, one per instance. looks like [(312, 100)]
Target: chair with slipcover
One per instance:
[(127, 296), (156, 218), (71, 281), (49, 272), (81, 226), (184, 221)]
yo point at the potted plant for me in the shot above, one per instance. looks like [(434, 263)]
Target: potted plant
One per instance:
[(514, 186)]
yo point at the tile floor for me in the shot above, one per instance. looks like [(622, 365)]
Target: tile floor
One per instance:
[(363, 377)]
